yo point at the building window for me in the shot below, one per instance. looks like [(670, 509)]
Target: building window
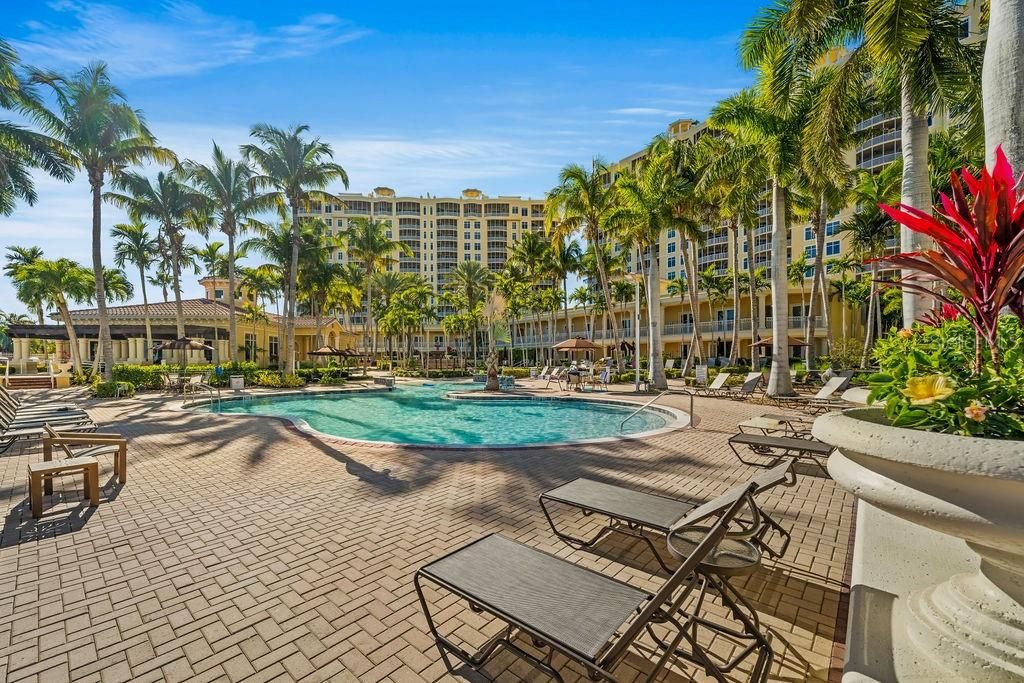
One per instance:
[(811, 250), (671, 247), (671, 275), (526, 211), (671, 262), (832, 248), (965, 28), (218, 294), (831, 228), (808, 234), (671, 233), (250, 347), (272, 347)]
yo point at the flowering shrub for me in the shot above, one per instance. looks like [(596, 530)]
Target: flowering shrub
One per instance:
[(926, 380)]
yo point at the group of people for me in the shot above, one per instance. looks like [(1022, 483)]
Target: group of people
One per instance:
[(577, 371)]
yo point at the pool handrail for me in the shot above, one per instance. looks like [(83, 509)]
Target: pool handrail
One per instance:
[(693, 418)]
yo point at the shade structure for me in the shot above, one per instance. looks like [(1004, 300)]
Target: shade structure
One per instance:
[(575, 344), (184, 343), (792, 341), (328, 350)]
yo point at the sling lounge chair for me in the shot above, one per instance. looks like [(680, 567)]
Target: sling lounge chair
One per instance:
[(632, 513), (95, 444), (555, 376), (716, 387), (778, 448), (746, 390), (822, 401), (580, 613)]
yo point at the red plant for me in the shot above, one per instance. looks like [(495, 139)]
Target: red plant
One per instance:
[(980, 243), (936, 318)]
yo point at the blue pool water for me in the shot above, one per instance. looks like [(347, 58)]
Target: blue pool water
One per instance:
[(421, 415)]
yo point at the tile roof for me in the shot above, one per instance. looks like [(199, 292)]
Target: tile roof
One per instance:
[(205, 309)]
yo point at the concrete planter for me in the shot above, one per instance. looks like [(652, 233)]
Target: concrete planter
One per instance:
[(969, 626)]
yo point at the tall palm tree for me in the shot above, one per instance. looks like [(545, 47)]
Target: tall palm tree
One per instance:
[(796, 273), (17, 258), (212, 258), (274, 243), (583, 297), (22, 149), (646, 210), (135, 246), (172, 204), (294, 171), (225, 184), (469, 281), (56, 282), (162, 279), (368, 244), (567, 257), (534, 256), (580, 203), (1002, 81), (910, 53), (101, 135)]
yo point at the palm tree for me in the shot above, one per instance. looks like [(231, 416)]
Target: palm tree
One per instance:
[(274, 244), (173, 205), (213, 260), (55, 283), (17, 258), (912, 52), (567, 257), (101, 135), (134, 245), (534, 256), (470, 280), (368, 244), (162, 279), (294, 171), (840, 267), (583, 297), (646, 210), (6, 321), (225, 184), (21, 149), (580, 203), (796, 273), (1002, 81)]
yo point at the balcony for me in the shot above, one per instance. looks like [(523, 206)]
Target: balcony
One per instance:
[(875, 162)]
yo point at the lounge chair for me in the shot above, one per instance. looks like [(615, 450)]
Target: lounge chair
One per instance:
[(822, 401), (779, 448), (543, 374), (561, 607), (555, 376), (771, 424), (746, 390), (96, 445), (15, 432), (716, 387), (631, 512)]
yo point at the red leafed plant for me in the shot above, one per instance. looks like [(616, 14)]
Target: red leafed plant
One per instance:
[(980, 248), (941, 315)]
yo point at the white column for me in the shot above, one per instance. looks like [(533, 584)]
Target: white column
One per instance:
[(224, 351), (21, 347), (83, 349)]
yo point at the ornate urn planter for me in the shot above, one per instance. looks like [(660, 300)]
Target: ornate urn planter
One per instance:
[(972, 624)]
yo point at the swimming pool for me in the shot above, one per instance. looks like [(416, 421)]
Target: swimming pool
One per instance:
[(420, 414)]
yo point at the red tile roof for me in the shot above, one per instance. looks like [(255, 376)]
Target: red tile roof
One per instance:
[(194, 309)]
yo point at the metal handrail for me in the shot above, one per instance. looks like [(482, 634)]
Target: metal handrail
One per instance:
[(693, 423)]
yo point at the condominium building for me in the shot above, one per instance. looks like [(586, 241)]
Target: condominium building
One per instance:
[(439, 231)]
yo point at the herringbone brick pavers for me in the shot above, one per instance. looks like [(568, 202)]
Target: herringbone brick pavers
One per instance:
[(242, 549)]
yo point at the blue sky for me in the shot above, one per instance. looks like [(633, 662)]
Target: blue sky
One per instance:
[(422, 97)]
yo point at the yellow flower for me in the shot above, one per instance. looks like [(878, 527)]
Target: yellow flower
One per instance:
[(905, 333), (924, 391), (975, 411)]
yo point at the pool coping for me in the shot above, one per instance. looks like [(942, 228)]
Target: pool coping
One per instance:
[(681, 419)]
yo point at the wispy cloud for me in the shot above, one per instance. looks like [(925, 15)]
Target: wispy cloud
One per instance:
[(180, 39)]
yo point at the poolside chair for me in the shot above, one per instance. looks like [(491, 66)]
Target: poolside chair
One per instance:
[(96, 444), (14, 432), (543, 374), (555, 376), (779, 448), (670, 364), (632, 513), (746, 390), (771, 424), (822, 401), (582, 614), (716, 387)]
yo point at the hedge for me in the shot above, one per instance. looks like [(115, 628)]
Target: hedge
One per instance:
[(110, 389), (518, 373), (151, 376)]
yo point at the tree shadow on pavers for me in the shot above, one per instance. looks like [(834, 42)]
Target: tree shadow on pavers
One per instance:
[(383, 480), (20, 527)]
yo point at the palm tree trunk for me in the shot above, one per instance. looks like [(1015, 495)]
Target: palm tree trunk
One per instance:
[(179, 312), (696, 350), (779, 381), (65, 316), (232, 320), (755, 318), (826, 315), (916, 187), (369, 313), (655, 366), (816, 282), (734, 352), (602, 275), (293, 280), (1002, 81), (145, 316), (105, 343), (872, 311)]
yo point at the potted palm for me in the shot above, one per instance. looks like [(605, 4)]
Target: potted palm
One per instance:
[(945, 449)]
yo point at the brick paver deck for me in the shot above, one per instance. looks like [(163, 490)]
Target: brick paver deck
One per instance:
[(241, 549)]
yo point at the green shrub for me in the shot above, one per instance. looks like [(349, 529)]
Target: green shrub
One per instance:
[(518, 373), (110, 389), (332, 381), (275, 380), (151, 376)]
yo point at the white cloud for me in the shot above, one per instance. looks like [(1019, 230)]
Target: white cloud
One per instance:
[(181, 39)]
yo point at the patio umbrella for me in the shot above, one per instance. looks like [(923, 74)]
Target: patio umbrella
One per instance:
[(575, 344), (328, 350), (184, 344), (767, 341)]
